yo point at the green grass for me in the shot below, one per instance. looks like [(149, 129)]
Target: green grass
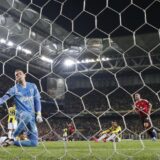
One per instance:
[(125, 150)]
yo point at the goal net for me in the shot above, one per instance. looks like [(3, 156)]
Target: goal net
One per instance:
[(88, 58)]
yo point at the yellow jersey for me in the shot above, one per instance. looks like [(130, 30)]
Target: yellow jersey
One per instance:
[(112, 130), (65, 130), (12, 114)]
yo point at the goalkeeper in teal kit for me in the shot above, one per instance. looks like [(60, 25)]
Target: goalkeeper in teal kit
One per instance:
[(28, 110)]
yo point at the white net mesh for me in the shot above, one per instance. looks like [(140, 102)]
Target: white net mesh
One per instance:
[(88, 58)]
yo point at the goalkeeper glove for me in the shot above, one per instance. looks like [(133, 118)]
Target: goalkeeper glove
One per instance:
[(39, 118)]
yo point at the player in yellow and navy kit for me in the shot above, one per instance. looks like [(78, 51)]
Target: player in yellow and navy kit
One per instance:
[(65, 134), (112, 134), (12, 122)]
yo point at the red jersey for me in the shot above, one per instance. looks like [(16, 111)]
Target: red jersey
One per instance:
[(71, 129), (142, 107)]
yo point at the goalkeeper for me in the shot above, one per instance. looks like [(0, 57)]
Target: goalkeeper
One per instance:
[(112, 134), (28, 109)]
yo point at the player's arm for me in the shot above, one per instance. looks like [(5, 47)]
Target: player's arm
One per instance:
[(150, 108), (8, 95), (106, 131), (133, 109), (37, 104), (4, 98)]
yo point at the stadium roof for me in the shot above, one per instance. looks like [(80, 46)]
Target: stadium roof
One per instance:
[(81, 30)]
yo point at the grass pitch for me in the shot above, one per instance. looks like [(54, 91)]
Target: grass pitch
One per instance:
[(83, 150)]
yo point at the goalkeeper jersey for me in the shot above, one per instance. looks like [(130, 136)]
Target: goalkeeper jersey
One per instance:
[(12, 114), (25, 98)]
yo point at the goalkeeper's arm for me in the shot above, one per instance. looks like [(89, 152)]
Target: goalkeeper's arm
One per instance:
[(4, 99), (10, 93), (37, 104)]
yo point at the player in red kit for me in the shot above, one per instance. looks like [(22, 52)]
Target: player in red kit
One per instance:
[(143, 108), (71, 130)]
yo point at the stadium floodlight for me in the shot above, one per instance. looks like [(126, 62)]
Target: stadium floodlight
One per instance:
[(9, 43), (33, 34), (19, 48), (46, 59), (27, 51), (92, 60), (55, 46), (87, 60), (65, 50), (82, 61), (69, 62), (2, 41), (97, 59), (107, 59), (103, 59)]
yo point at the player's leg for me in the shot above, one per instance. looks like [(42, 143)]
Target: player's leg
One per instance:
[(26, 143), (150, 130), (7, 142), (10, 130), (152, 133), (70, 138), (2, 139), (65, 137), (71, 135), (102, 137), (32, 134), (112, 138), (10, 134), (24, 119)]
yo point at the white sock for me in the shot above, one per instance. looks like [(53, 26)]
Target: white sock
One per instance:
[(111, 138), (102, 137), (2, 139), (10, 134)]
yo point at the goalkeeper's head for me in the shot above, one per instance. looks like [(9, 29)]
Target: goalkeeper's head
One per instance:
[(20, 76)]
